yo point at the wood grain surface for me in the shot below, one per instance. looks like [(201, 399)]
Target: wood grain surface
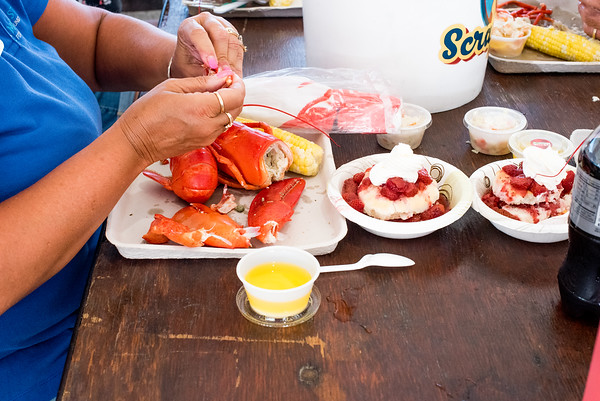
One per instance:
[(477, 318)]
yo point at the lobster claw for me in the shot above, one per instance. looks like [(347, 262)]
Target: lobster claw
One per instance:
[(250, 157), (272, 207), (199, 225), (193, 175)]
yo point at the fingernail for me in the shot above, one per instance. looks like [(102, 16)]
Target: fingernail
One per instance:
[(212, 63)]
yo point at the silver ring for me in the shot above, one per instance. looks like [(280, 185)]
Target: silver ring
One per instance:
[(221, 104), (230, 121)]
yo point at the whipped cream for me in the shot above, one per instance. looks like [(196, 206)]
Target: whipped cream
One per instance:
[(401, 162), (543, 165)]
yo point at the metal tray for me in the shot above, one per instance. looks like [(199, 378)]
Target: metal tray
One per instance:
[(316, 226), (531, 61), (251, 10)]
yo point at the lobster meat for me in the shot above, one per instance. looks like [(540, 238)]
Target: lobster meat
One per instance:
[(198, 225), (272, 207), (250, 157), (193, 175)]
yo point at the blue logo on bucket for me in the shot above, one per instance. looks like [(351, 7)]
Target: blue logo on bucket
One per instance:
[(457, 43)]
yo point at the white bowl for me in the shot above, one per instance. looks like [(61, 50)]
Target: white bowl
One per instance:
[(490, 128), (415, 120), (554, 229), (452, 182)]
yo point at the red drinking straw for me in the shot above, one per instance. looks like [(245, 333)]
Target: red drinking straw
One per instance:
[(570, 157), (294, 116)]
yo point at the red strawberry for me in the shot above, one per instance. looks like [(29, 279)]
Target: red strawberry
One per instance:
[(402, 187), (358, 177), (521, 182), (357, 204), (424, 177), (567, 183), (537, 189), (349, 187), (389, 192), (513, 170)]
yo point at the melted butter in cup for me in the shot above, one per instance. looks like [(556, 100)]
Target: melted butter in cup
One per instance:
[(278, 280)]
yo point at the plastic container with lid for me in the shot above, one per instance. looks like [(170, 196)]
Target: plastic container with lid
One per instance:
[(542, 139), (490, 128), (415, 120)]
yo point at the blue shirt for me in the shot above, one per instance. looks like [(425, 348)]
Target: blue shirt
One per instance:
[(47, 114)]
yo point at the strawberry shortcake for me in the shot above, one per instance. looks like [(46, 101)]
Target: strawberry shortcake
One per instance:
[(533, 190), (398, 188)]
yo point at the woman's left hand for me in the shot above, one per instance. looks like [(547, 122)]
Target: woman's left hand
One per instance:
[(206, 43)]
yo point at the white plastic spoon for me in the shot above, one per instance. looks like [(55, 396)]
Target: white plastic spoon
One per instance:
[(377, 259)]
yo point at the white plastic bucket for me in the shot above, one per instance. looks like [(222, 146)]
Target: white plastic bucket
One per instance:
[(415, 45)]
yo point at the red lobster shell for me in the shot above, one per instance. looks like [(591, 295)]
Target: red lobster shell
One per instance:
[(193, 175), (250, 158)]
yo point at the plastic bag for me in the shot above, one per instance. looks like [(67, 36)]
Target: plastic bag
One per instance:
[(337, 100)]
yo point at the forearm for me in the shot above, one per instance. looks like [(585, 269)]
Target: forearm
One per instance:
[(108, 51), (54, 218), (131, 54)]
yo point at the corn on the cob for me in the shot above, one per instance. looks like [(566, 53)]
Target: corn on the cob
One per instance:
[(564, 45), (280, 3), (308, 156)]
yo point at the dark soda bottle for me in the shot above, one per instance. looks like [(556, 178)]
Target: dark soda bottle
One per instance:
[(579, 275)]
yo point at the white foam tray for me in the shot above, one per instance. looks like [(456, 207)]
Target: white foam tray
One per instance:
[(316, 226)]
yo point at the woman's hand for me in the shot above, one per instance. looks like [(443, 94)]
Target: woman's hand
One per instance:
[(206, 43), (590, 16), (180, 115)]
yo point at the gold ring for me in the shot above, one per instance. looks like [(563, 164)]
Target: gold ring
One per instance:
[(594, 33), (221, 104), (238, 36), (233, 32), (230, 121)]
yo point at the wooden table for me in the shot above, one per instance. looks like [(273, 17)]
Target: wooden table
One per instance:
[(477, 318)]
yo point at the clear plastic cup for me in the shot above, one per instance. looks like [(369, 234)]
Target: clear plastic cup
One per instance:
[(542, 139), (491, 127), (415, 120), (508, 47)]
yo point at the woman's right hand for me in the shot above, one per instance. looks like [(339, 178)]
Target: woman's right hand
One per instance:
[(180, 115)]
